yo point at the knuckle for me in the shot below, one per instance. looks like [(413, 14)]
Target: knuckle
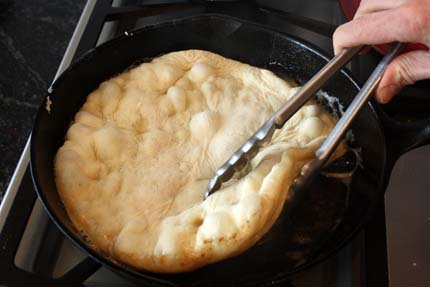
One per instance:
[(363, 8), (418, 19), (364, 27), (360, 27)]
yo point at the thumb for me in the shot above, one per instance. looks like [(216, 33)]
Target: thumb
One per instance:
[(404, 70)]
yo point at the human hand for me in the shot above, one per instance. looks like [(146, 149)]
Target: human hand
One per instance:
[(384, 21)]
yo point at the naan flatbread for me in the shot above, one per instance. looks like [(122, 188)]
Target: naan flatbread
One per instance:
[(141, 150)]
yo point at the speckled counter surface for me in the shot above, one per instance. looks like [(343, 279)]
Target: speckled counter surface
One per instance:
[(33, 38)]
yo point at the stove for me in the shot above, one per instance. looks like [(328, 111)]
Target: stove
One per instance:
[(393, 250)]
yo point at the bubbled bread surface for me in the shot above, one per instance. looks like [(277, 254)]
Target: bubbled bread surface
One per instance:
[(137, 158)]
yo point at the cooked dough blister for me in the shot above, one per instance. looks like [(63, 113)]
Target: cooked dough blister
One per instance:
[(136, 160)]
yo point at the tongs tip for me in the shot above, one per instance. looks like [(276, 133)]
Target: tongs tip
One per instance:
[(213, 185)]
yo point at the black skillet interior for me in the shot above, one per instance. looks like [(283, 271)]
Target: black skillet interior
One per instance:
[(326, 219)]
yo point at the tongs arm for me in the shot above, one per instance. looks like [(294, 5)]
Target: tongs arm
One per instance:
[(303, 95), (239, 159), (241, 156), (335, 136)]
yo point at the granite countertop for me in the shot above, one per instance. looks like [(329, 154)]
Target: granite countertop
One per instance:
[(33, 38)]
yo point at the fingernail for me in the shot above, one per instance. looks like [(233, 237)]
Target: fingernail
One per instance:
[(385, 94)]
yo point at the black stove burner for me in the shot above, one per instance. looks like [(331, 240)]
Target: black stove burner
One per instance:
[(369, 251)]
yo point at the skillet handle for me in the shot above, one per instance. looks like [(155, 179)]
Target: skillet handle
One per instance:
[(402, 137)]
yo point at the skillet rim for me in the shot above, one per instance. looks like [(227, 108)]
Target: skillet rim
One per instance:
[(146, 275)]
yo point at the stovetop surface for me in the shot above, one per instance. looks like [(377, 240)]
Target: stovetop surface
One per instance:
[(33, 243)]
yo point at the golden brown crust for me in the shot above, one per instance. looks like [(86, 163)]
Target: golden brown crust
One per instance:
[(140, 152)]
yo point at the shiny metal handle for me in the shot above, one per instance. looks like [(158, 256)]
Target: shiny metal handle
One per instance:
[(335, 136), (241, 157), (313, 85)]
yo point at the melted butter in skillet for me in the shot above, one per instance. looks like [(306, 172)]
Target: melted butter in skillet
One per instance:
[(136, 160)]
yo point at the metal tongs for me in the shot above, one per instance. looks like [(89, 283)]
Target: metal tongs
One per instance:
[(250, 148)]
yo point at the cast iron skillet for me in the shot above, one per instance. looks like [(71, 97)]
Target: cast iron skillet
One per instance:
[(327, 218)]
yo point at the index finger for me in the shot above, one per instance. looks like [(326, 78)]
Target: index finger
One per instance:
[(405, 24)]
